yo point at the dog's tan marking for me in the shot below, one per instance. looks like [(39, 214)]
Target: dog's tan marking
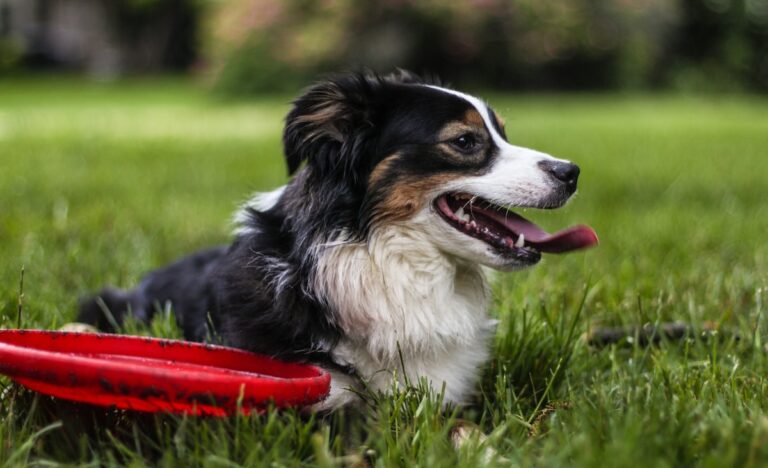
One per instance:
[(381, 168), (501, 122), (473, 118), (408, 195), (321, 114), (454, 130), (324, 114), (322, 120)]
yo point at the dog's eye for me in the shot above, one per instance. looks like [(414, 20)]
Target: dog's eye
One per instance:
[(466, 142)]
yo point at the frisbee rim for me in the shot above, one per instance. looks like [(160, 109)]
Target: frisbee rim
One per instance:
[(80, 367)]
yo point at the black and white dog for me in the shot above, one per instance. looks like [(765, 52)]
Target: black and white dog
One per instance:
[(401, 192)]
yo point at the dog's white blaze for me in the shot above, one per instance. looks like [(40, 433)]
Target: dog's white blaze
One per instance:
[(397, 294), (482, 109)]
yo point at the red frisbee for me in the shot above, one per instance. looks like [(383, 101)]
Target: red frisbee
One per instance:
[(151, 374)]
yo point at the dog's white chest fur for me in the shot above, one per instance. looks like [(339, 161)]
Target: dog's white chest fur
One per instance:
[(399, 295)]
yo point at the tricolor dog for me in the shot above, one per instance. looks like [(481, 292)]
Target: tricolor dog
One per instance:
[(401, 192)]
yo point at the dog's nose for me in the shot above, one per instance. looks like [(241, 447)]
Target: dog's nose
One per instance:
[(565, 172)]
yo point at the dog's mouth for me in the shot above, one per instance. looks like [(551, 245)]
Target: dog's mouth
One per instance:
[(507, 232)]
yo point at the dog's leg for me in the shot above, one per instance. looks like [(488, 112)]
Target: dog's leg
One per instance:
[(78, 327), (465, 433)]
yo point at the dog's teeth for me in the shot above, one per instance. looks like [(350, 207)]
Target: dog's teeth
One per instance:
[(520, 241), (461, 215)]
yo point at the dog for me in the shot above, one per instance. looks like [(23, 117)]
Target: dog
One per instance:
[(370, 261)]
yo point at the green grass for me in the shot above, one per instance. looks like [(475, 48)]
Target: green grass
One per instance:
[(100, 183)]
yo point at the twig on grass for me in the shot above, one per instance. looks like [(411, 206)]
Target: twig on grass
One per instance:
[(650, 334), (545, 412)]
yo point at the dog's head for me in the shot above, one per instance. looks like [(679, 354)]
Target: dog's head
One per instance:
[(401, 150)]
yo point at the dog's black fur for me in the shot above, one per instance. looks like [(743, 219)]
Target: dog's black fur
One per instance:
[(257, 294)]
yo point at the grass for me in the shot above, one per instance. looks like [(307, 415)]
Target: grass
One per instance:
[(100, 183)]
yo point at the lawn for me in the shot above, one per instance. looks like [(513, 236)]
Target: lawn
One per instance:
[(102, 182)]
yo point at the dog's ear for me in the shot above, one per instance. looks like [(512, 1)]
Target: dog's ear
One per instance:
[(329, 125)]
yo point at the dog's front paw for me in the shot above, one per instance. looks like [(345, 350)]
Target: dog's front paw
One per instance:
[(78, 327)]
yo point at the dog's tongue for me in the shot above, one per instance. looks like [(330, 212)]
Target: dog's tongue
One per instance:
[(567, 240)]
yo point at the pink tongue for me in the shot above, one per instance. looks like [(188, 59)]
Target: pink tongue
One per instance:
[(567, 240)]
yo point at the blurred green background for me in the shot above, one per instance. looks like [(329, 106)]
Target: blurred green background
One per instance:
[(259, 46)]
